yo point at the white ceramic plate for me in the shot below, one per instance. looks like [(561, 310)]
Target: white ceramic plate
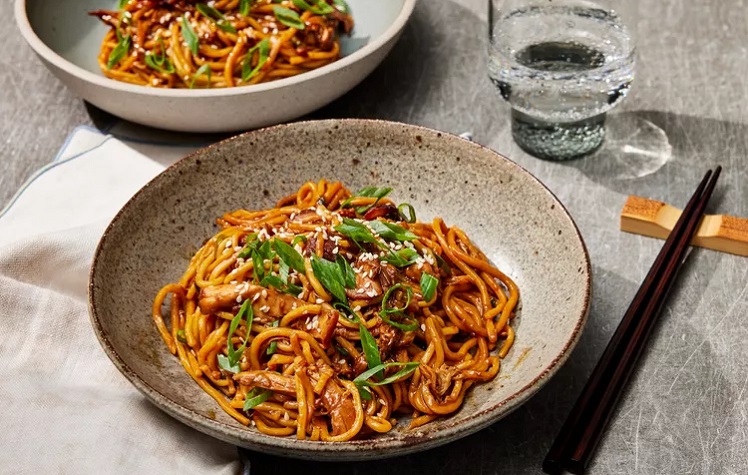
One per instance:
[(67, 40)]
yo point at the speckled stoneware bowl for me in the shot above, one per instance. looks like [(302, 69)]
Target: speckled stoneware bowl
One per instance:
[(67, 40), (507, 212)]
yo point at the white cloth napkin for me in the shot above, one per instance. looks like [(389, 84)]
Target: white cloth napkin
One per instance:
[(65, 407)]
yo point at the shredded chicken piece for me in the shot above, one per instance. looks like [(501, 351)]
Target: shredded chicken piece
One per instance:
[(338, 401), (271, 380)]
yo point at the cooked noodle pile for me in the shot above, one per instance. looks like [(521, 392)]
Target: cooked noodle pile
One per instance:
[(332, 312), (222, 43)]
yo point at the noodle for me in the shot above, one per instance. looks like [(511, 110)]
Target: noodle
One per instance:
[(328, 314), (224, 43)]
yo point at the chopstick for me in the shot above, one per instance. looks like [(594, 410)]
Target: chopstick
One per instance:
[(583, 429)]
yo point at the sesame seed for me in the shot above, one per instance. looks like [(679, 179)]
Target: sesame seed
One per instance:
[(239, 298), (423, 327)]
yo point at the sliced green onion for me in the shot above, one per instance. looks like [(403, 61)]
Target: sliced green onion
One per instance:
[(428, 286), (283, 271), (123, 3), (273, 344), (181, 336), (369, 345), (330, 276), (402, 258), (244, 6), (349, 277), (299, 238), (256, 397), (190, 37), (321, 7), (251, 243), (218, 18), (349, 314), (367, 192), (289, 255), (160, 62), (358, 232), (391, 231), (385, 313), (277, 282), (410, 216), (230, 363), (363, 378), (258, 266), (202, 70), (288, 17), (119, 51), (342, 6), (263, 50)]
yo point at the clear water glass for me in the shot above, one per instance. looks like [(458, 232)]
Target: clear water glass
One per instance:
[(561, 65)]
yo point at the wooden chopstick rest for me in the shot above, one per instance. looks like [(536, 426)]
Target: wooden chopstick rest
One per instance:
[(656, 219)]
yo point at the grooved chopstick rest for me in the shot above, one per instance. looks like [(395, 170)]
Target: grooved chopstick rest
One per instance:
[(656, 219)]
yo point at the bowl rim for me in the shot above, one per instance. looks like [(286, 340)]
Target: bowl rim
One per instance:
[(41, 48), (365, 449)]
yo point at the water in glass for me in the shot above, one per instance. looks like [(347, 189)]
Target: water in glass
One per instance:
[(561, 67)]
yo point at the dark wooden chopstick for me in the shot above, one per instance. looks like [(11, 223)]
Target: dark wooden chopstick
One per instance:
[(583, 428)]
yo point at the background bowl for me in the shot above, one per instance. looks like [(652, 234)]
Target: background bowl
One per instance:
[(68, 40), (507, 212)]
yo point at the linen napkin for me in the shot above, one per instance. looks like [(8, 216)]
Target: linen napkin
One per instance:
[(66, 408)]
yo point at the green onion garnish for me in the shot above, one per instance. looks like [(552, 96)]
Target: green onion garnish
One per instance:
[(289, 255), (231, 363), (367, 192), (277, 282), (160, 62), (288, 17), (408, 212), (369, 345), (428, 286), (190, 37), (330, 276), (273, 344), (402, 258), (244, 7), (349, 314), (299, 238), (321, 7), (349, 277), (391, 231), (181, 336), (119, 51), (342, 6), (218, 18), (358, 232), (263, 50), (256, 397), (363, 378), (386, 311)]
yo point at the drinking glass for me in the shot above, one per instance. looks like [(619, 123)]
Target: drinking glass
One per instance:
[(561, 65)]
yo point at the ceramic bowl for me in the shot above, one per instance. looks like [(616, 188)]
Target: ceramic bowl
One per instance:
[(508, 213), (67, 40)]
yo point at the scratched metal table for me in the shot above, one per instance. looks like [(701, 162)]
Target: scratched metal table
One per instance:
[(686, 408)]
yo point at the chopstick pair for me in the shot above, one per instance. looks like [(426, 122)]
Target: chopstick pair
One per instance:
[(583, 429)]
